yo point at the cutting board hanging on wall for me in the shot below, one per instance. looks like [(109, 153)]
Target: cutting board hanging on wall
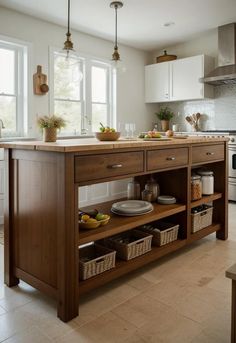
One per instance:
[(40, 82)]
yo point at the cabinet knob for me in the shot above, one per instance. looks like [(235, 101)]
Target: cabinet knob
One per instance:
[(210, 153), (114, 166), (170, 158)]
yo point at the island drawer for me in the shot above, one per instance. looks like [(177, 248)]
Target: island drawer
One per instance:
[(101, 166), (205, 153), (166, 158)]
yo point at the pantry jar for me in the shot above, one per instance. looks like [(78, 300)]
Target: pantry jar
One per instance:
[(153, 187), (207, 181), (196, 187), (133, 190)]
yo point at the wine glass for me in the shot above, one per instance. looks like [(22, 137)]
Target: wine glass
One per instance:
[(132, 128), (127, 130)]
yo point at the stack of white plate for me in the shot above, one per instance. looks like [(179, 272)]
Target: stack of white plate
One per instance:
[(166, 200), (131, 208)]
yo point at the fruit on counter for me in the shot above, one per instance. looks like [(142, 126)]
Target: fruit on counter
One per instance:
[(85, 217), (169, 133), (91, 220), (152, 134), (106, 129), (99, 216)]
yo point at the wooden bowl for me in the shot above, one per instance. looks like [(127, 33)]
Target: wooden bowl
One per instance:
[(89, 226), (107, 136), (104, 221)]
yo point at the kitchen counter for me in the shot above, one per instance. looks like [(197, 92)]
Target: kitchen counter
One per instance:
[(86, 144), (43, 181)]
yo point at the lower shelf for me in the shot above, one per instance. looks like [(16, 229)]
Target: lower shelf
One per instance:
[(124, 267), (204, 232)]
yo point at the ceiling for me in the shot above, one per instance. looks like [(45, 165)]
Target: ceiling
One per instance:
[(140, 22)]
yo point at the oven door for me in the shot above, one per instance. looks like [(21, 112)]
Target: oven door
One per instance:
[(232, 161), (232, 189)]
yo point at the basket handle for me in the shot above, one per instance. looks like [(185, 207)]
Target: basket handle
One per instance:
[(100, 259), (203, 213)]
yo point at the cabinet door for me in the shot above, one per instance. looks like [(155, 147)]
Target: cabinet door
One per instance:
[(157, 82), (185, 74)]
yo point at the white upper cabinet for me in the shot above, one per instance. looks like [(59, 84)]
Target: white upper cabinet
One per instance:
[(157, 82), (181, 80)]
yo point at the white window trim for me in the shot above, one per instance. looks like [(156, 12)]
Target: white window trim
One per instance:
[(24, 121), (86, 101)]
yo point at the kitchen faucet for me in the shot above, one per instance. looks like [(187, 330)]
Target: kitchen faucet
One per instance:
[(1, 127)]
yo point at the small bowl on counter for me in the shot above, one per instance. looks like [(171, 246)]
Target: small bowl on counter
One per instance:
[(107, 136)]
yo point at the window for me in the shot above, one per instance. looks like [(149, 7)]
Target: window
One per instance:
[(13, 105), (83, 103)]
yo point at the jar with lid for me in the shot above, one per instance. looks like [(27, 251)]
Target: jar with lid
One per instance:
[(133, 190), (196, 187), (207, 181), (153, 186), (146, 195)]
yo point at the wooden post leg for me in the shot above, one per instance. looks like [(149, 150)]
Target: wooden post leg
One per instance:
[(10, 174), (67, 247), (233, 313)]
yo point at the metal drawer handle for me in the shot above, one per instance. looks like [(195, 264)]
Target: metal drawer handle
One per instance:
[(170, 158), (210, 153), (115, 166)]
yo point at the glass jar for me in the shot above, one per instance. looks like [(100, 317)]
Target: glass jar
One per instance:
[(133, 190), (153, 187), (196, 187), (146, 195), (207, 181)]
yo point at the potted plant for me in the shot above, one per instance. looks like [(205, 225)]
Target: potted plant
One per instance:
[(165, 114), (50, 125)]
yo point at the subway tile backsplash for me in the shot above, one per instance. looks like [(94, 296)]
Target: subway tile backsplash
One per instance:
[(218, 113)]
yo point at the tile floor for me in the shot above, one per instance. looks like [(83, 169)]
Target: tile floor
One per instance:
[(182, 298)]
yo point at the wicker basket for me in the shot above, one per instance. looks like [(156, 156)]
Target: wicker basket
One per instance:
[(163, 233), (130, 244), (202, 219), (94, 260)]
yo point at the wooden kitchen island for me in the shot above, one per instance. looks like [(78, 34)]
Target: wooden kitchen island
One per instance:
[(41, 209)]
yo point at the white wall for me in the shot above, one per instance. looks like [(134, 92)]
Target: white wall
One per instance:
[(206, 44), (42, 35)]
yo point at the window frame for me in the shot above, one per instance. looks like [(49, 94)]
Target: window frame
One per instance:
[(86, 89), (21, 83)]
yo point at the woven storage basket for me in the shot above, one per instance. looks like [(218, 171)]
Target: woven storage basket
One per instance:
[(201, 219), (141, 242), (94, 260), (163, 233)]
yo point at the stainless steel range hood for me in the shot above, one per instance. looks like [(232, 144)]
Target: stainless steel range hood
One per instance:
[(225, 73)]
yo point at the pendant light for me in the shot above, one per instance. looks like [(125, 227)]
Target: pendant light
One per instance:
[(68, 48), (68, 44), (116, 55)]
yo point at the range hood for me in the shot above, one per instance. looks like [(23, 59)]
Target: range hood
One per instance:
[(225, 73)]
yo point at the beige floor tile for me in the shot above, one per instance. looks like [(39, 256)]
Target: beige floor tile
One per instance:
[(139, 310), (33, 334)]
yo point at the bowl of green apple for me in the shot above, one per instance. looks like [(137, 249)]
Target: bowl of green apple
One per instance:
[(107, 133)]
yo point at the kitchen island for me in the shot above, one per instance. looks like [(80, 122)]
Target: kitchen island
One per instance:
[(42, 235)]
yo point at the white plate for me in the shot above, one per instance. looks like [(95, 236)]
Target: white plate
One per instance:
[(130, 214), (132, 206), (166, 200)]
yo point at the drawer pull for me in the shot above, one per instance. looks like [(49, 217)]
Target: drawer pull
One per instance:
[(115, 166), (210, 153), (170, 158)]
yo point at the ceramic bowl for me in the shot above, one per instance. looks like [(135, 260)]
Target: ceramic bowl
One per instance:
[(89, 226), (107, 136)]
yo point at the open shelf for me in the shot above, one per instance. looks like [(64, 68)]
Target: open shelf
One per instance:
[(204, 232), (124, 267), (119, 224), (206, 198)]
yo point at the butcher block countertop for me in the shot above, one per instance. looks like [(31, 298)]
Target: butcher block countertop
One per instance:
[(88, 144)]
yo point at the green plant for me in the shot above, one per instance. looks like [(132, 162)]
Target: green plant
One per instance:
[(51, 121), (164, 113)]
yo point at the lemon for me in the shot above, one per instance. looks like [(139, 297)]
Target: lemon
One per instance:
[(85, 217), (91, 220)]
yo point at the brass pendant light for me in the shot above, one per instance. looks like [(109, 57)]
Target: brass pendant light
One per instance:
[(116, 5), (68, 44)]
